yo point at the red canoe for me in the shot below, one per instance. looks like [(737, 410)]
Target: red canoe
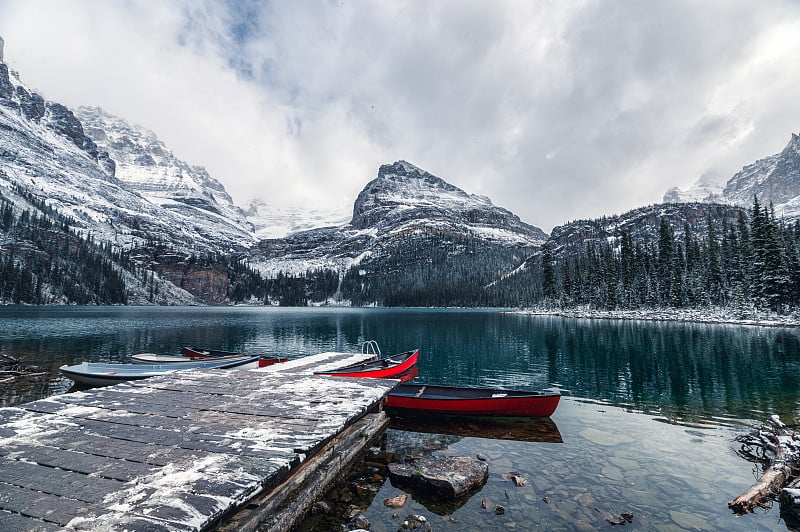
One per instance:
[(383, 368), (471, 401), (200, 354)]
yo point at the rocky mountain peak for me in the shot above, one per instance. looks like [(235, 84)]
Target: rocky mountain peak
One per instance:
[(1, 49), (40, 113), (404, 175), (47, 152), (793, 148), (148, 167), (774, 179), (404, 196)]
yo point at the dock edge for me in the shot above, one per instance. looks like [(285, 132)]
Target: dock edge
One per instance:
[(285, 505)]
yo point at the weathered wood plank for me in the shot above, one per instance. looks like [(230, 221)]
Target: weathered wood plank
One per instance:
[(77, 462), (27, 502), (176, 452), (270, 511), (14, 521), (57, 482)]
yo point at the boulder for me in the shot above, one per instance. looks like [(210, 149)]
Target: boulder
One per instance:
[(444, 476)]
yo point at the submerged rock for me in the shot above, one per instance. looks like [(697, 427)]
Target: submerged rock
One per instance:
[(416, 522), (396, 502), (450, 477), (320, 507), (360, 523)]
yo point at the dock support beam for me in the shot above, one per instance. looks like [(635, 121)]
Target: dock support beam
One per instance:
[(286, 504)]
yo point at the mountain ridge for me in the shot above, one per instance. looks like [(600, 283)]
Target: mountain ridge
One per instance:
[(404, 209), (117, 198), (116, 187), (775, 179)]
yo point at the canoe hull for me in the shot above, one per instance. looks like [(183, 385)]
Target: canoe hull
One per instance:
[(470, 401), (150, 358), (93, 374), (212, 354), (98, 380), (385, 368)]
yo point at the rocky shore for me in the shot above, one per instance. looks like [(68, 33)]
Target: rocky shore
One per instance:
[(704, 315)]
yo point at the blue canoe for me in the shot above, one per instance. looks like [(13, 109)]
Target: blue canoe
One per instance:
[(102, 374)]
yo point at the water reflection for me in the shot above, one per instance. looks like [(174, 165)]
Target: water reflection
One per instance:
[(518, 429), (680, 372)]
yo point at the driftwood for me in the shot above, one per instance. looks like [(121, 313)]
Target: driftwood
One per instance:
[(777, 448), (790, 504), (11, 367)]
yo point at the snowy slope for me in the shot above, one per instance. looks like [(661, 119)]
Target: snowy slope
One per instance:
[(774, 179), (403, 202), (278, 222), (46, 152), (144, 165)]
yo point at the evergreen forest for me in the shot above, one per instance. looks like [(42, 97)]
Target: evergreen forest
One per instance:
[(752, 263), (746, 260)]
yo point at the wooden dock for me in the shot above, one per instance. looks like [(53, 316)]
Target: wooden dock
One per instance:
[(177, 452)]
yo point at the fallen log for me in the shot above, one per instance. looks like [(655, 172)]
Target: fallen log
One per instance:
[(765, 489), (790, 504), (777, 448)]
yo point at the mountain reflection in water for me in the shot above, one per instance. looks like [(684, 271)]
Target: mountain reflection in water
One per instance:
[(685, 373)]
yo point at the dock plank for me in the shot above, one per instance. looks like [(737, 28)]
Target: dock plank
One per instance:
[(175, 452), (53, 481), (14, 521), (44, 506)]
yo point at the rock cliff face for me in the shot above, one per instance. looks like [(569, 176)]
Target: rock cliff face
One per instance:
[(403, 193), (411, 233), (774, 179), (17, 97), (118, 183), (403, 202), (146, 166)]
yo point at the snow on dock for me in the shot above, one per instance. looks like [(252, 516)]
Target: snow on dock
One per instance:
[(176, 452)]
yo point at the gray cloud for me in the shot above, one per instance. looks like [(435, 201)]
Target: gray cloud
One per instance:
[(556, 111)]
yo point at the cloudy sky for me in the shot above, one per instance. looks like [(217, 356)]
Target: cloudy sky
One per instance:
[(555, 110)]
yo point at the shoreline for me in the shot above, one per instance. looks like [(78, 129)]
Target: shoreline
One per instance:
[(714, 316)]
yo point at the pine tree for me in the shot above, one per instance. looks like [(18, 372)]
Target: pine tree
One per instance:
[(549, 288)]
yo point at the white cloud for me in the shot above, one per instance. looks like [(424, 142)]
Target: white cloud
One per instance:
[(556, 111)]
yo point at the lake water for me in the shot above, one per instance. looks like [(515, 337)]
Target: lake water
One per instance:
[(646, 425)]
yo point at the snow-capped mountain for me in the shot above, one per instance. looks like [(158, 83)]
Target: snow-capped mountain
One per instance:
[(145, 165), (706, 189), (774, 179), (402, 202), (127, 192), (403, 196), (116, 188), (278, 222), (410, 231)]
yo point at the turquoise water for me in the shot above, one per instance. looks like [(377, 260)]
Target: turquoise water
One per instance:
[(646, 424)]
